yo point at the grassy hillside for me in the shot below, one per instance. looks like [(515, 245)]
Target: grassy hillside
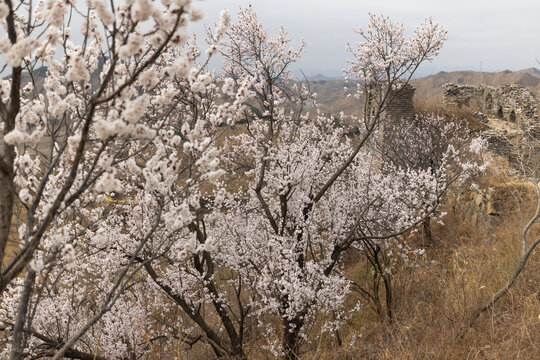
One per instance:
[(465, 265)]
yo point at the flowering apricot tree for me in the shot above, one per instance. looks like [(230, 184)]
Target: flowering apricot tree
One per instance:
[(430, 142), (105, 142), (423, 143), (126, 201), (385, 60), (312, 190)]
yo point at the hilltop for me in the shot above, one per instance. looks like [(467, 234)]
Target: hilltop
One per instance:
[(429, 89)]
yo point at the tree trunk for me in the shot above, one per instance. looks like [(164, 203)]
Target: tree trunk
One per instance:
[(7, 189), (6, 202), (7, 153), (7, 196), (426, 227), (388, 295), (17, 345), (291, 346), (499, 294)]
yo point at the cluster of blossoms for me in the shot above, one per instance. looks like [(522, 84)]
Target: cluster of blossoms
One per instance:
[(384, 47)]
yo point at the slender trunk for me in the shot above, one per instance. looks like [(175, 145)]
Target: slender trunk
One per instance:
[(17, 345), (428, 236), (376, 297), (7, 194), (388, 295), (7, 158), (526, 252), (499, 294), (336, 332), (7, 198), (7, 188)]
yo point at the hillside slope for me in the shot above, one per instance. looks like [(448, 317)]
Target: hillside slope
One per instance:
[(429, 89)]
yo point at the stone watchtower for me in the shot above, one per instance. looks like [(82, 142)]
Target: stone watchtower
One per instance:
[(399, 108), (401, 104)]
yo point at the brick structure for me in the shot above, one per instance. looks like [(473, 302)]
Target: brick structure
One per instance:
[(401, 104), (399, 109)]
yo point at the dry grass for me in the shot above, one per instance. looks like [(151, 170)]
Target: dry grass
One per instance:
[(432, 106), (465, 266)]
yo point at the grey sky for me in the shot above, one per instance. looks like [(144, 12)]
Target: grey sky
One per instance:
[(482, 35)]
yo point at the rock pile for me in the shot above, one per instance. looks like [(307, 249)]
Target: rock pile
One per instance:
[(481, 207)]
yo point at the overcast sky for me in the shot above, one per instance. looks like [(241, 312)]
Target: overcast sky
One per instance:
[(482, 35)]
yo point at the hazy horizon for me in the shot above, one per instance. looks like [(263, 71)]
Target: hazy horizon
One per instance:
[(483, 35)]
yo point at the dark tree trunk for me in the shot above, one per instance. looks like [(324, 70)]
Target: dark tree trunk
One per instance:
[(291, 339), (426, 229), (7, 158), (6, 200), (7, 153), (387, 279)]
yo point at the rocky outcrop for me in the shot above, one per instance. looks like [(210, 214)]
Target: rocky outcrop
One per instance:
[(481, 206)]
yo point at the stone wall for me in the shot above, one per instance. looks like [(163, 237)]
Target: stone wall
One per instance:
[(510, 102), (464, 95), (498, 143), (510, 113)]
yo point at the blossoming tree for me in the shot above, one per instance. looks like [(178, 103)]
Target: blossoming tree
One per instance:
[(313, 191), (103, 146), (142, 225)]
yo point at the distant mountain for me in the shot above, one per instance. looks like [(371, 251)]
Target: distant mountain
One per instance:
[(333, 98), (533, 71), (429, 88), (321, 77)]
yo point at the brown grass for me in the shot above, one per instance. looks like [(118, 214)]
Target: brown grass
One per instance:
[(465, 266)]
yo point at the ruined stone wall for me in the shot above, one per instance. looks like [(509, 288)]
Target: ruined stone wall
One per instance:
[(464, 95), (511, 115), (511, 102)]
